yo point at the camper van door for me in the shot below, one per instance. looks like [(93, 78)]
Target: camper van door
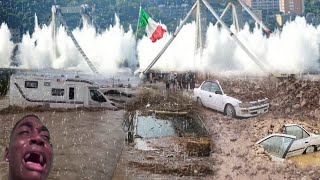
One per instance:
[(70, 95)]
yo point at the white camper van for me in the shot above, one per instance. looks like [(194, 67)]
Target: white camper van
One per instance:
[(55, 92)]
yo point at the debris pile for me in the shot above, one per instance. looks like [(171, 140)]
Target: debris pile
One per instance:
[(274, 125), (182, 170), (171, 157), (198, 147), (245, 90), (161, 100), (186, 153), (298, 96)]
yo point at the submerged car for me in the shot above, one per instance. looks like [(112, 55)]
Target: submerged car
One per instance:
[(295, 141), (211, 95), (115, 92)]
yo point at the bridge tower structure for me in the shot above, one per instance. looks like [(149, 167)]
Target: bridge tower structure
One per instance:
[(236, 6), (57, 18)]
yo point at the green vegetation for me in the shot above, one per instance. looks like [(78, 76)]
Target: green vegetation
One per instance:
[(312, 6), (20, 13)]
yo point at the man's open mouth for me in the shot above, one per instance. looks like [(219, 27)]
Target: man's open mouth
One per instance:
[(35, 161)]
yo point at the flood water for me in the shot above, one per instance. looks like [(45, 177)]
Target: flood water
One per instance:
[(310, 159), (152, 126), (86, 144)]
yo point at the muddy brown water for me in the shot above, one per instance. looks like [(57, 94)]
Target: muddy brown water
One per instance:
[(305, 160), (87, 145), (157, 126)]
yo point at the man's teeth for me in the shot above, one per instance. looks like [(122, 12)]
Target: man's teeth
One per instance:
[(27, 156), (41, 159)]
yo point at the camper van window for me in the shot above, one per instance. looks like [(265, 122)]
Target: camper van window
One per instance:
[(57, 92), (31, 84), (71, 93), (47, 84), (97, 96)]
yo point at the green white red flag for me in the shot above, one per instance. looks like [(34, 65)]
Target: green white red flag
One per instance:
[(153, 29)]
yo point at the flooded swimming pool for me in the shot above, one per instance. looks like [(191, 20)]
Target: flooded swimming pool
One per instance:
[(170, 146), (311, 159), (155, 126)]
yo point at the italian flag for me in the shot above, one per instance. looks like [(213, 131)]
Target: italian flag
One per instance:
[(153, 29)]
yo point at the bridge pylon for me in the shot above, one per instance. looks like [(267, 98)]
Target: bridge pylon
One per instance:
[(57, 18)]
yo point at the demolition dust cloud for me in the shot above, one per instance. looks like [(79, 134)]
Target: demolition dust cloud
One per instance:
[(293, 49)]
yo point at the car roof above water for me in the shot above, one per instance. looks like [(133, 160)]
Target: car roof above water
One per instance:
[(275, 134)]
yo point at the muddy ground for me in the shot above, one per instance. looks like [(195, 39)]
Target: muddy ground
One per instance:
[(239, 158), (298, 97), (87, 144), (234, 153)]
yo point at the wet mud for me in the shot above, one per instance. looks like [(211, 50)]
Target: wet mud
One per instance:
[(171, 140), (306, 160), (91, 144), (237, 155), (234, 154), (182, 170), (169, 159)]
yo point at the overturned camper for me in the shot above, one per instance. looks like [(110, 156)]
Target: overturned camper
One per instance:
[(30, 151)]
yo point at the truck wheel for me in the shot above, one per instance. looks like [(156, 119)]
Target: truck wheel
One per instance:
[(199, 102), (130, 137), (229, 111)]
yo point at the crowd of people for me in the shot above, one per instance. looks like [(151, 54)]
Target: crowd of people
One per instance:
[(173, 80)]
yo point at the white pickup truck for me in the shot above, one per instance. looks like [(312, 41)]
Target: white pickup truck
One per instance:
[(211, 95)]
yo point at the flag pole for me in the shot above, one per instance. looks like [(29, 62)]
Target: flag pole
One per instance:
[(171, 39), (138, 22)]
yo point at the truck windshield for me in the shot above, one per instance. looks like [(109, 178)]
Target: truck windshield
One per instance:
[(97, 96)]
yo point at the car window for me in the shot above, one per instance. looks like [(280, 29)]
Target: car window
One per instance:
[(277, 145), (97, 96), (296, 131), (214, 87), (206, 86)]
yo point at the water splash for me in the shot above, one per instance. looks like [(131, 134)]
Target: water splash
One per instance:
[(293, 49), (6, 46), (107, 51), (178, 56)]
